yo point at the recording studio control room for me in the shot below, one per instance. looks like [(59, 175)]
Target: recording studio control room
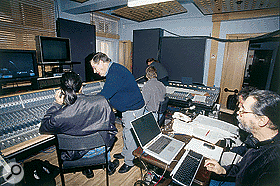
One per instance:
[(140, 92)]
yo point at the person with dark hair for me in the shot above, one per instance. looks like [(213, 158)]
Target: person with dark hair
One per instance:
[(123, 93), (162, 74), (259, 115), (77, 114), (243, 94), (153, 91)]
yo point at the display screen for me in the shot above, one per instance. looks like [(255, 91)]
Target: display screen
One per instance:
[(17, 64), (146, 128), (53, 49)]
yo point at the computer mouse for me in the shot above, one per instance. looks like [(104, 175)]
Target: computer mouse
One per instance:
[(209, 146)]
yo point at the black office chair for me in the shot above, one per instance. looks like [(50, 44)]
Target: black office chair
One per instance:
[(162, 110), (68, 142), (232, 100)]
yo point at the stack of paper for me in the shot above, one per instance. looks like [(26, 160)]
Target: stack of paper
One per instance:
[(208, 129)]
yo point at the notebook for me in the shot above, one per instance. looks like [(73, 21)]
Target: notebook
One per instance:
[(150, 136)]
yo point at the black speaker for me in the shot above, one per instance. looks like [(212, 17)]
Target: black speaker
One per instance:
[(183, 57), (82, 39), (146, 44), (48, 82)]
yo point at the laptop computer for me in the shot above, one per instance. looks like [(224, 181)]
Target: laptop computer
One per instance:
[(152, 141)]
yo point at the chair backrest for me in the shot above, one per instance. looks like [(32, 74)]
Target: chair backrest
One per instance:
[(163, 105), (68, 142), (232, 102), (79, 143)]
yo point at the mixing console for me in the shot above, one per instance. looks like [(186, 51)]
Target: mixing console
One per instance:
[(200, 95), (37, 98), (21, 114), (93, 88), (182, 96), (10, 104)]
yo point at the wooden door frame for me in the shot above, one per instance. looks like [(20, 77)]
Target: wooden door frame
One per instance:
[(125, 54), (238, 85)]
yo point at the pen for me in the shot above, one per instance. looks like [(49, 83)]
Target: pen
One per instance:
[(207, 133)]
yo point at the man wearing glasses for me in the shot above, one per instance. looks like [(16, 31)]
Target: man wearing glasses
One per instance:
[(259, 115)]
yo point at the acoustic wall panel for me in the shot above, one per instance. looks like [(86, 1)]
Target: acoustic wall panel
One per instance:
[(146, 44), (183, 57), (83, 42)]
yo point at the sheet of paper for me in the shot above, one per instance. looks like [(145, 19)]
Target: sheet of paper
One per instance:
[(199, 147), (205, 128), (182, 127), (208, 133), (217, 123)]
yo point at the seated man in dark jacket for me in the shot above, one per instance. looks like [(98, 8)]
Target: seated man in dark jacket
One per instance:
[(259, 115), (77, 114)]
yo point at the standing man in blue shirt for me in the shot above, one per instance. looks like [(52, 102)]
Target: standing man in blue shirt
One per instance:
[(123, 93)]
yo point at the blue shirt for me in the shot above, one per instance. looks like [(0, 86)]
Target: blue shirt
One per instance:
[(121, 89)]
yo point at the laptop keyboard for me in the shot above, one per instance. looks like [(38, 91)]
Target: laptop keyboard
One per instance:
[(160, 144), (187, 170)]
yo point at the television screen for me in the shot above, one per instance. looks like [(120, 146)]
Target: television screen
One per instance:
[(53, 49), (18, 64)]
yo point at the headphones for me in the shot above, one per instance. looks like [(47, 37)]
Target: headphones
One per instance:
[(253, 142)]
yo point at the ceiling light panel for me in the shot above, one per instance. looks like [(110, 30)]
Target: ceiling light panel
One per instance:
[(150, 11), (209, 7), (133, 3)]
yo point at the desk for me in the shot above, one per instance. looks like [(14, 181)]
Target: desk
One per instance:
[(60, 64), (26, 148), (202, 177)]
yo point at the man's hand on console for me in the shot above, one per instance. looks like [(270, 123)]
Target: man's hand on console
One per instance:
[(214, 166)]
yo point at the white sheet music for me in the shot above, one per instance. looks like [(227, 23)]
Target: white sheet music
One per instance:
[(208, 129), (217, 123)]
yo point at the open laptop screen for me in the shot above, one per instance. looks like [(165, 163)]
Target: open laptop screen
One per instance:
[(146, 128)]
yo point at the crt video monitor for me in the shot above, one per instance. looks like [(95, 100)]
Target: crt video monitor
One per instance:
[(18, 64), (53, 49)]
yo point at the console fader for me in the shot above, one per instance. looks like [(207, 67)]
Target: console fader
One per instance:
[(21, 114)]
